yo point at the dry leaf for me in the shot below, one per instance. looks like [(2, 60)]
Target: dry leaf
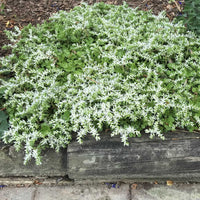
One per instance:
[(7, 23), (177, 6), (36, 182), (169, 183), (169, 7), (20, 185), (134, 186), (175, 138)]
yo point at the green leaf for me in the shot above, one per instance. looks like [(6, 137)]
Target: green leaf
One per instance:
[(66, 115), (194, 90), (3, 116), (3, 123), (45, 129)]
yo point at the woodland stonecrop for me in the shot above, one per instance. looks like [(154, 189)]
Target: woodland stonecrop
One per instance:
[(100, 67)]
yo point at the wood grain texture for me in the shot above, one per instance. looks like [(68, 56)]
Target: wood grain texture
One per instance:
[(11, 163), (176, 158)]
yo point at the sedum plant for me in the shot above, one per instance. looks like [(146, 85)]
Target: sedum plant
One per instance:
[(100, 67)]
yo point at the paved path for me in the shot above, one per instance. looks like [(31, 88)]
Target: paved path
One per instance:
[(103, 192)]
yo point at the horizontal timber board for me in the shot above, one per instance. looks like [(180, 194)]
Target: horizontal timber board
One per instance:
[(11, 163), (176, 158)]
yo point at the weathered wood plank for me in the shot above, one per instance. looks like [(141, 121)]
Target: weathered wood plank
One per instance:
[(11, 163), (176, 158)]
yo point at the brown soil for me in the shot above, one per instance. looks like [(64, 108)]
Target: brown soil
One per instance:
[(22, 12)]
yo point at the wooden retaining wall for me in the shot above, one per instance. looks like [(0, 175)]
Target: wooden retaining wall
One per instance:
[(176, 158), (11, 163)]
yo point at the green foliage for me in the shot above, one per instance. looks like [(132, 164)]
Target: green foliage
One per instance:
[(2, 6), (191, 15), (3, 123), (100, 67), (3, 114)]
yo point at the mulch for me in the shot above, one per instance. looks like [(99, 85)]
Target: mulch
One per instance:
[(22, 12)]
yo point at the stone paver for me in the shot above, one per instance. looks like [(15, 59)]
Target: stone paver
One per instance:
[(161, 192), (87, 192), (102, 192), (17, 193)]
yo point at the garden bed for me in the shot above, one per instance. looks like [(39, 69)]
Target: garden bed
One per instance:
[(21, 13), (110, 69)]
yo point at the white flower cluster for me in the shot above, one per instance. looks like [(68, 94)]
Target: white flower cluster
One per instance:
[(141, 80)]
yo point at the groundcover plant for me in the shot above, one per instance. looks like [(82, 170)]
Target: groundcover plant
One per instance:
[(100, 67)]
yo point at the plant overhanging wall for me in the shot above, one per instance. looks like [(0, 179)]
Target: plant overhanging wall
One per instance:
[(95, 68)]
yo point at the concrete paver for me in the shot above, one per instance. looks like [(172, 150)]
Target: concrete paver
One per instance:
[(102, 192), (8, 193), (161, 192), (98, 192), (83, 192)]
